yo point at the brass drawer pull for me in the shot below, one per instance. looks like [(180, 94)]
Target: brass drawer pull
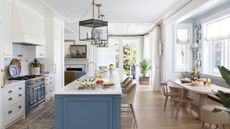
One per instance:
[(19, 107), (19, 95), (10, 91), (10, 99), (20, 88), (10, 111)]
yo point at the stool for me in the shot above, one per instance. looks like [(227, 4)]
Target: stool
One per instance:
[(218, 118)]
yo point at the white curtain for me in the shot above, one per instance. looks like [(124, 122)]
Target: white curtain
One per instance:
[(218, 30)]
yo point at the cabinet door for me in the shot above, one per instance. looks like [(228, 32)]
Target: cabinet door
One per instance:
[(40, 52), (7, 28)]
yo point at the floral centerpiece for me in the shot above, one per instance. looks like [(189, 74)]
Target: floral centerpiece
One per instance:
[(195, 74)]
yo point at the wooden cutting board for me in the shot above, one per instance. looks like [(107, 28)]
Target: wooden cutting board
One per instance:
[(16, 62)]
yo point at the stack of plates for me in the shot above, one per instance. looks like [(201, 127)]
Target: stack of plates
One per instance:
[(15, 68), (13, 71)]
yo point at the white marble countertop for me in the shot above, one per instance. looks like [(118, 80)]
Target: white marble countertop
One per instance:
[(72, 88), (201, 89)]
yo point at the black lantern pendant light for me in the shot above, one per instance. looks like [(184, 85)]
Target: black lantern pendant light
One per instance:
[(94, 30)]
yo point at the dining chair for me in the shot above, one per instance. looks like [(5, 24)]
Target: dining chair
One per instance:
[(127, 86), (181, 101), (128, 99), (217, 118), (168, 92), (125, 82)]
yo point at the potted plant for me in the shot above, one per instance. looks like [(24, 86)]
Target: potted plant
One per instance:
[(223, 96), (145, 67), (35, 67)]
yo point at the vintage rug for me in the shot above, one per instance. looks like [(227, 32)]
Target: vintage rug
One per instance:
[(45, 120)]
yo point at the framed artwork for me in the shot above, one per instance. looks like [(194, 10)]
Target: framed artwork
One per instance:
[(67, 47), (78, 51)]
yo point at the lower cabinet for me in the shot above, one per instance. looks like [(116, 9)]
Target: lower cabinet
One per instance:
[(87, 112), (49, 87), (13, 100)]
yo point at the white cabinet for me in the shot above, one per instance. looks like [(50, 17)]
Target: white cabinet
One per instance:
[(49, 83), (7, 28), (13, 100), (54, 29), (40, 51)]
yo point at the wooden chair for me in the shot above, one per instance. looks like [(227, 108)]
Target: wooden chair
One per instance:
[(168, 92), (127, 86), (125, 82), (208, 116), (181, 101), (128, 99)]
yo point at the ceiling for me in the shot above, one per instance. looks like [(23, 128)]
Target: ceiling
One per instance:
[(116, 11), (128, 28)]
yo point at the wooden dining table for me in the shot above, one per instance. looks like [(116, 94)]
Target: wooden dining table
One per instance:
[(200, 92)]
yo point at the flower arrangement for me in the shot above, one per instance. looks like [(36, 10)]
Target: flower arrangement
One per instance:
[(195, 74)]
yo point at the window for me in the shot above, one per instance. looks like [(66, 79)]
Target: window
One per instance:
[(183, 38), (216, 45)]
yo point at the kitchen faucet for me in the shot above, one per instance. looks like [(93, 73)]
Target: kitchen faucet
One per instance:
[(95, 66)]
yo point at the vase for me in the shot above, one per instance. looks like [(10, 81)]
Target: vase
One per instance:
[(35, 70)]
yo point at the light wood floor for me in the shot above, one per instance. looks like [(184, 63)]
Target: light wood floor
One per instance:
[(149, 111)]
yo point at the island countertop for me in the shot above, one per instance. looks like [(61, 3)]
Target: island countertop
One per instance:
[(72, 88)]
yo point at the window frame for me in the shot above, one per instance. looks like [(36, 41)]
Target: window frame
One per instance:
[(188, 57), (213, 18)]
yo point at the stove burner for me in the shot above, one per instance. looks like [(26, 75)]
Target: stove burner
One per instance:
[(26, 77)]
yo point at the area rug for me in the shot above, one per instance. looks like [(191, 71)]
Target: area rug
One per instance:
[(45, 120)]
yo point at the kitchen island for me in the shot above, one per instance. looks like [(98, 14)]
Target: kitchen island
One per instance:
[(88, 108)]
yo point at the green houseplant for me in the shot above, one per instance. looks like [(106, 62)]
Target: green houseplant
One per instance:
[(35, 67), (224, 97), (145, 67)]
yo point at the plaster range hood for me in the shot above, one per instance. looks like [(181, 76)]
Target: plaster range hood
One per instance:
[(28, 25)]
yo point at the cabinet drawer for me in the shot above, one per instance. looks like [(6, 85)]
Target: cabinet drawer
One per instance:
[(10, 111), (10, 99), (14, 111), (8, 91)]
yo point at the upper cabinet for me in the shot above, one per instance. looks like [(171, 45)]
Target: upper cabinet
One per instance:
[(7, 28), (40, 52), (28, 25)]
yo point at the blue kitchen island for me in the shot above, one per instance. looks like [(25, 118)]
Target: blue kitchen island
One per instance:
[(88, 108)]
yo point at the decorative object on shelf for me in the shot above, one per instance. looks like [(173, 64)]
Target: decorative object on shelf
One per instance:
[(16, 62), (13, 71), (35, 67), (224, 97), (94, 30), (78, 51), (145, 67)]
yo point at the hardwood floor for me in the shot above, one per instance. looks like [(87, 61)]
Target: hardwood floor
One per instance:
[(149, 111)]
